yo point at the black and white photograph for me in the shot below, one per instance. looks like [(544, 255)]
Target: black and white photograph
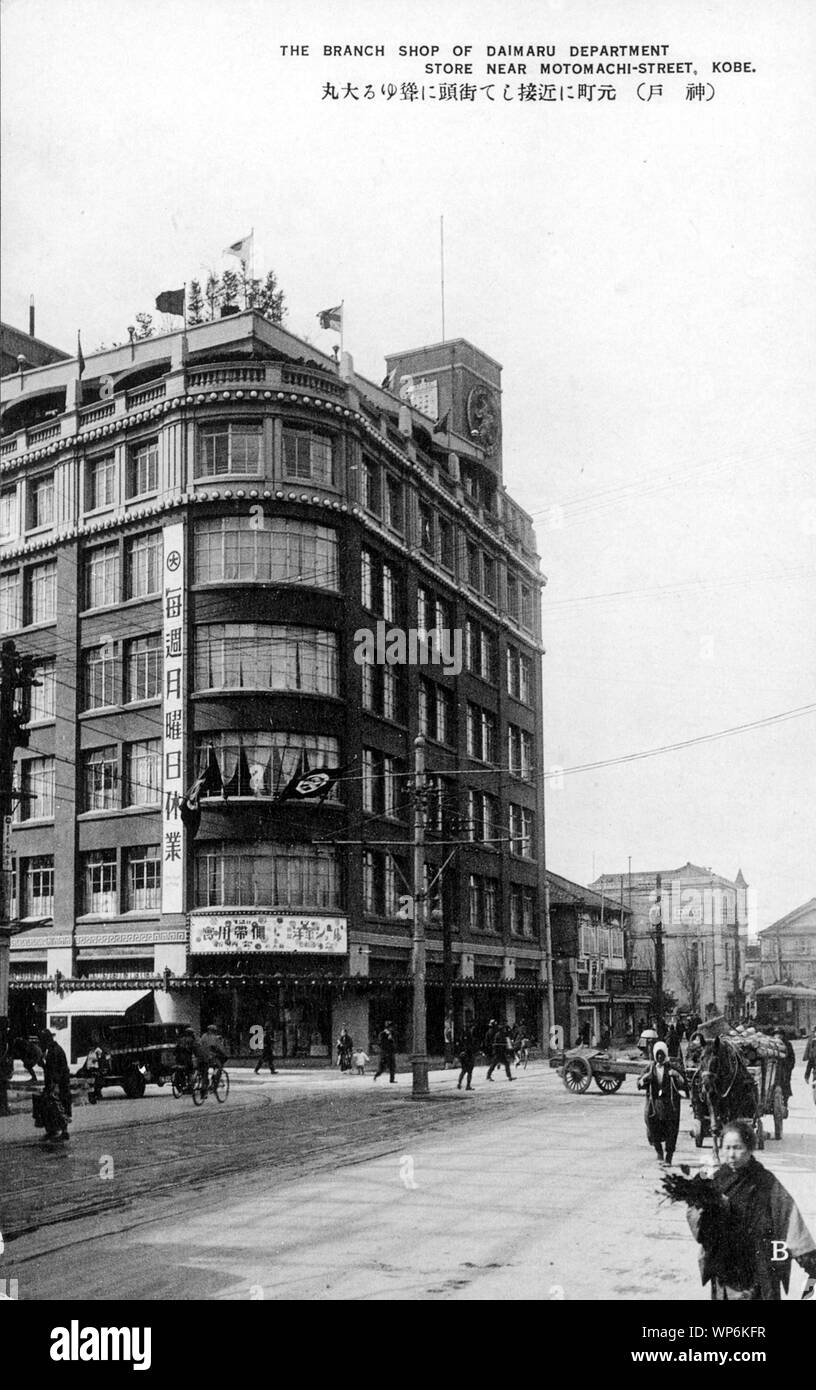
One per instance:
[(407, 671)]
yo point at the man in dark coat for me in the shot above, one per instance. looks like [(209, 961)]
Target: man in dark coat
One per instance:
[(502, 1052), (267, 1057), (388, 1053), (809, 1058), (467, 1058), (57, 1087), (788, 1064)]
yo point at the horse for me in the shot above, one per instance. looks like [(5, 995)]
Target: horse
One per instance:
[(723, 1089)]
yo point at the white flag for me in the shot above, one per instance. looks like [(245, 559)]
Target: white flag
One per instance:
[(242, 249)]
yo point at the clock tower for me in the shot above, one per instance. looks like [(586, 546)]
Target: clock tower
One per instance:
[(458, 380)]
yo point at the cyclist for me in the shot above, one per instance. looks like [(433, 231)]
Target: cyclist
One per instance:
[(186, 1054), (210, 1052)]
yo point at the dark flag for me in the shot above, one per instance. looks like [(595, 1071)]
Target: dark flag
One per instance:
[(308, 784), (207, 783), (171, 302), (442, 425), (331, 318), (80, 358)]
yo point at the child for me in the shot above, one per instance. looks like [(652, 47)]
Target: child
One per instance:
[(360, 1058)]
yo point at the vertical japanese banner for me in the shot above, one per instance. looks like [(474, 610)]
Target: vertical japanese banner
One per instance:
[(173, 619)]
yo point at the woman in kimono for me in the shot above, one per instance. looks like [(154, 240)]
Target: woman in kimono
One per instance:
[(663, 1082), (749, 1228)]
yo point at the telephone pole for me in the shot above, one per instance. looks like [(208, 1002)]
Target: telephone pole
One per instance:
[(419, 1056)]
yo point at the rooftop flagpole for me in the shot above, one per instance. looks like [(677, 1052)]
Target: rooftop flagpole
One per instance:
[(442, 269)]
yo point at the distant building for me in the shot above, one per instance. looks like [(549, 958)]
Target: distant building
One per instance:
[(594, 990), (705, 924), (787, 995), (15, 344)]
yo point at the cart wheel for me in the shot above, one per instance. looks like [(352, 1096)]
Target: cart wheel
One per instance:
[(760, 1134), (199, 1089), (778, 1111), (179, 1082), (609, 1084), (577, 1075), (697, 1134)]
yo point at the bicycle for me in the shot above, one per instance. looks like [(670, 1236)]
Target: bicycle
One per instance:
[(217, 1086), (182, 1081)]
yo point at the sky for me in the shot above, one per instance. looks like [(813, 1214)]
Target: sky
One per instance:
[(642, 269)]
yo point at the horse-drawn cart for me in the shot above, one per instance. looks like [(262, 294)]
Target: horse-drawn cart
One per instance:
[(738, 1076), (582, 1065)]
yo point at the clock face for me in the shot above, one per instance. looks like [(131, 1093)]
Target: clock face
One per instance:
[(483, 417)]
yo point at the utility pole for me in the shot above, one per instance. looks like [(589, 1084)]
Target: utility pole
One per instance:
[(419, 1056), (656, 919), (16, 673)]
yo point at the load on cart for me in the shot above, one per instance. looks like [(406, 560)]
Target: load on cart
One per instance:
[(735, 1074)]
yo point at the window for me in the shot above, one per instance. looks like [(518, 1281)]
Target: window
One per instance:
[(522, 831), (480, 650), (143, 668), (446, 548), (143, 878), (482, 903), (522, 911), (261, 763), (38, 879), (279, 552), (519, 752), (100, 482), (382, 690), (37, 787), (102, 576), (370, 492), (489, 578), (481, 733), (526, 596), (143, 561), (8, 513), (435, 711), (519, 676), (381, 783), (512, 597), (100, 779), (482, 818), (11, 608), (99, 882), (41, 593), (143, 773), (41, 501), (42, 698), (260, 656), (99, 677), (378, 585), (473, 569), (394, 511), (143, 469), (308, 455), (270, 875), (235, 447), (390, 693), (426, 529), (616, 943), (383, 883)]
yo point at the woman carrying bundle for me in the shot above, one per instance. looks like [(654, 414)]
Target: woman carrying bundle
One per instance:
[(663, 1082)]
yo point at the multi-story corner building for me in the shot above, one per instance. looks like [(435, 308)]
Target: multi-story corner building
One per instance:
[(704, 931), (596, 993), (209, 542)]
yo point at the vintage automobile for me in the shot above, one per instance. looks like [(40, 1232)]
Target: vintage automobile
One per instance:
[(133, 1055)]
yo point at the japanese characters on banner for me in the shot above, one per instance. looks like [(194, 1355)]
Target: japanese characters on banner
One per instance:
[(246, 932), (173, 621)]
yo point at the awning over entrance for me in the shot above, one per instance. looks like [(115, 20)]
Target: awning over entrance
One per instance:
[(99, 1001)]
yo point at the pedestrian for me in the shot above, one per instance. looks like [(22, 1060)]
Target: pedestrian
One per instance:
[(489, 1042), (267, 1057), (744, 1218), (56, 1089), (663, 1082), (448, 1043), (787, 1066), (359, 1058), (388, 1053), (809, 1059), (95, 1066), (467, 1058), (502, 1052), (345, 1048)]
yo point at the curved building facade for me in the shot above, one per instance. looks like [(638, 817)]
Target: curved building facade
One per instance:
[(239, 562)]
